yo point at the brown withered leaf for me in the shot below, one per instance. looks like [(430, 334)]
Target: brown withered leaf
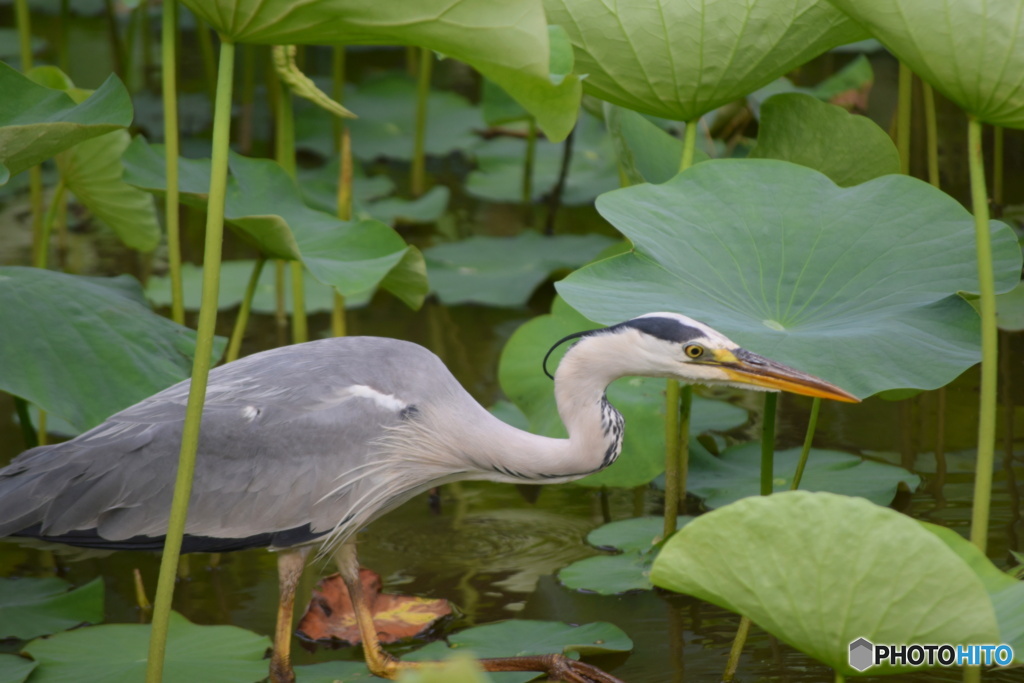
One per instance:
[(330, 617)]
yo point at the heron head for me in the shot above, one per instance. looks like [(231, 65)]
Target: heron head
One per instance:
[(675, 346)]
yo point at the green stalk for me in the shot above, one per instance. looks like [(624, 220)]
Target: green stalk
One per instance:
[(997, 167), (677, 449), (28, 432), (247, 99), (284, 140), (172, 219), (338, 88), (685, 408), (280, 312), (737, 649), (24, 21), (345, 175), (419, 161), (35, 174), (200, 366), (906, 91), (812, 424), (300, 324), (771, 402), (207, 54), (42, 255), (932, 133), (235, 345), (989, 340)]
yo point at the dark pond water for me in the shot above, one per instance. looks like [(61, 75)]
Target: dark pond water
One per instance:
[(493, 553)]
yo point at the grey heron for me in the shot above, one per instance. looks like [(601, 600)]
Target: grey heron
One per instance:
[(304, 445)]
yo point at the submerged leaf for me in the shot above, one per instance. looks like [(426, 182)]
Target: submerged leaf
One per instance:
[(84, 348), (330, 616), (641, 400), (856, 285), (818, 571), (38, 607), (117, 653)]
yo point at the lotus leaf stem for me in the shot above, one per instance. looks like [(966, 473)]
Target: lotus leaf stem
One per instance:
[(905, 99), (339, 327), (812, 425), (419, 163), (169, 87), (989, 340), (284, 140), (200, 366), (28, 432), (235, 345), (931, 133), (997, 168), (737, 649), (46, 228)]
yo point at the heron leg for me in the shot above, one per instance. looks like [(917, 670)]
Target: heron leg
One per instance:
[(557, 666), (290, 564), (379, 662)]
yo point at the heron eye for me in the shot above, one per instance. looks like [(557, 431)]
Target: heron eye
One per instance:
[(694, 351)]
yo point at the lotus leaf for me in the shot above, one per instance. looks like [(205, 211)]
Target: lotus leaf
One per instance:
[(117, 653), (505, 271), (103, 348), (737, 474), (39, 607), (848, 148), (507, 42), (855, 284), (818, 571), (15, 669), (640, 400), (680, 60), (645, 151), (972, 51), (37, 122), (264, 204)]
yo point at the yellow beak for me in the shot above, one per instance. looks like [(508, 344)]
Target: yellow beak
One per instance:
[(744, 367)]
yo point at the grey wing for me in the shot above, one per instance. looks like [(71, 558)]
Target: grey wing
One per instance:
[(288, 447)]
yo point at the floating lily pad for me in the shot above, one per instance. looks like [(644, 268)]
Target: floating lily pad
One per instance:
[(457, 669), (630, 570), (522, 637), (263, 202), (234, 278), (681, 60), (507, 42), (15, 669), (640, 400), (856, 285), (38, 607), (972, 51), (499, 174), (818, 571), (331, 617), (736, 474), (116, 653), (111, 349), (505, 271), (37, 122), (848, 148), (330, 672)]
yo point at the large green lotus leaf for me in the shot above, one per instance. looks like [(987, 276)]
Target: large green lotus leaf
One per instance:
[(39, 607), (972, 51), (507, 42), (736, 474), (37, 122), (848, 148), (1006, 592), (645, 152), (592, 170), (264, 204), (521, 637), (92, 170), (641, 400), (234, 278), (852, 284), (505, 271), (818, 571), (680, 60), (117, 653), (15, 669), (84, 348)]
